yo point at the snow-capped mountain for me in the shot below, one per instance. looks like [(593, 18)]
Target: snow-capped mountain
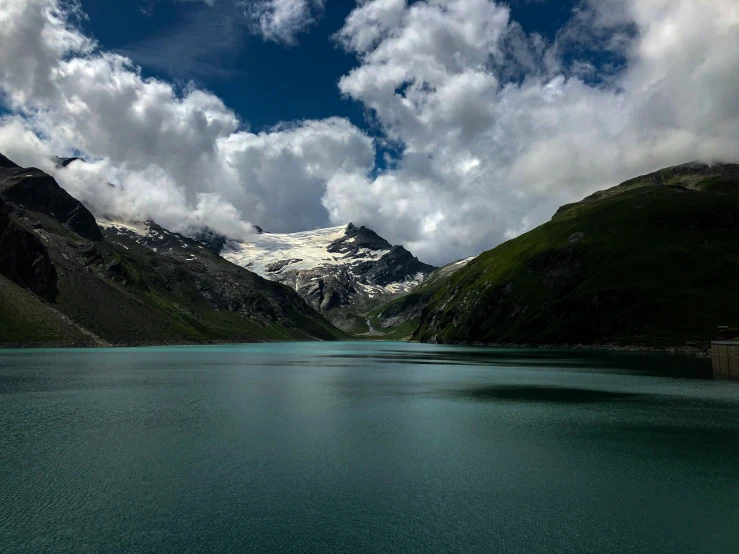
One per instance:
[(330, 268), (338, 267)]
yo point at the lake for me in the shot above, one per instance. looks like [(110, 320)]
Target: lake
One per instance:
[(365, 447)]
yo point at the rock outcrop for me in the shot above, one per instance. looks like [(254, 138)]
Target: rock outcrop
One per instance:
[(339, 268), (24, 258)]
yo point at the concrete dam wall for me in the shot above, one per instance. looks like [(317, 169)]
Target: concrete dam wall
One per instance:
[(725, 358)]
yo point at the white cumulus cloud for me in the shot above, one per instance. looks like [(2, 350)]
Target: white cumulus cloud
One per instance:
[(484, 157), (282, 21), (178, 156), (487, 128)]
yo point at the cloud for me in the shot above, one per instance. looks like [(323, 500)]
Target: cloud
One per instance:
[(177, 156), (491, 128), (282, 20), (497, 128)]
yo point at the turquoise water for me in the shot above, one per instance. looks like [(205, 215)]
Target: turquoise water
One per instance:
[(365, 447)]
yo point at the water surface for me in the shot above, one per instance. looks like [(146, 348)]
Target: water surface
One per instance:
[(365, 447)]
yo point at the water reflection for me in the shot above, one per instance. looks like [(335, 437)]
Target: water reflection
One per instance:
[(676, 365), (540, 394)]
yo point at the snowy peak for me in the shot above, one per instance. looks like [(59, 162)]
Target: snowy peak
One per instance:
[(330, 268), (268, 254), (357, 240), (333, 267)]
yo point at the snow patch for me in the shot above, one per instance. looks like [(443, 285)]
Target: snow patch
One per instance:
[(121, 227), (309, 247)]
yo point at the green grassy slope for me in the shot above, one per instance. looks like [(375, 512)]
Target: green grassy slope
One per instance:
[(26, 319), (652, 262)]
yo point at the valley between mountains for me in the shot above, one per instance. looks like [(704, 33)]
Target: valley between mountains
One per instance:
[(649, 263)]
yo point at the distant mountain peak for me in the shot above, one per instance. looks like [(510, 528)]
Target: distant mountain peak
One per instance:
[(332, 267), (212, 240)]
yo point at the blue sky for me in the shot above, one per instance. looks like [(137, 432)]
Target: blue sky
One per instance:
[(447, 126), (264, 82)]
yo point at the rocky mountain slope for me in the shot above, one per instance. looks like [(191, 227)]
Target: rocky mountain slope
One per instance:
[(340, 271), (398, 318), (65, 280), (651, 262)]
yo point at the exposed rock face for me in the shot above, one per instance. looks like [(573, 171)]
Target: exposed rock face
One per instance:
[(64, 162), (213, 241), (356, 239), (326, 290), (24, 258), (395, 266), (339, 267), (34, 190), (186, 265), (148, 234)]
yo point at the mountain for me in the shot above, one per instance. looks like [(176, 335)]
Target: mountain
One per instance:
[(65, 280), (340, 271), (35, 191), (64, 162), (651, 262), (398, 318)]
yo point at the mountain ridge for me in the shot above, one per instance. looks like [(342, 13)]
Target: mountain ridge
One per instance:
[(645, 264), (340, 271), (66, 281)]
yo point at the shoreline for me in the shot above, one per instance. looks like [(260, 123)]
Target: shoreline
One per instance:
[(698, 351), (8, 345)]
